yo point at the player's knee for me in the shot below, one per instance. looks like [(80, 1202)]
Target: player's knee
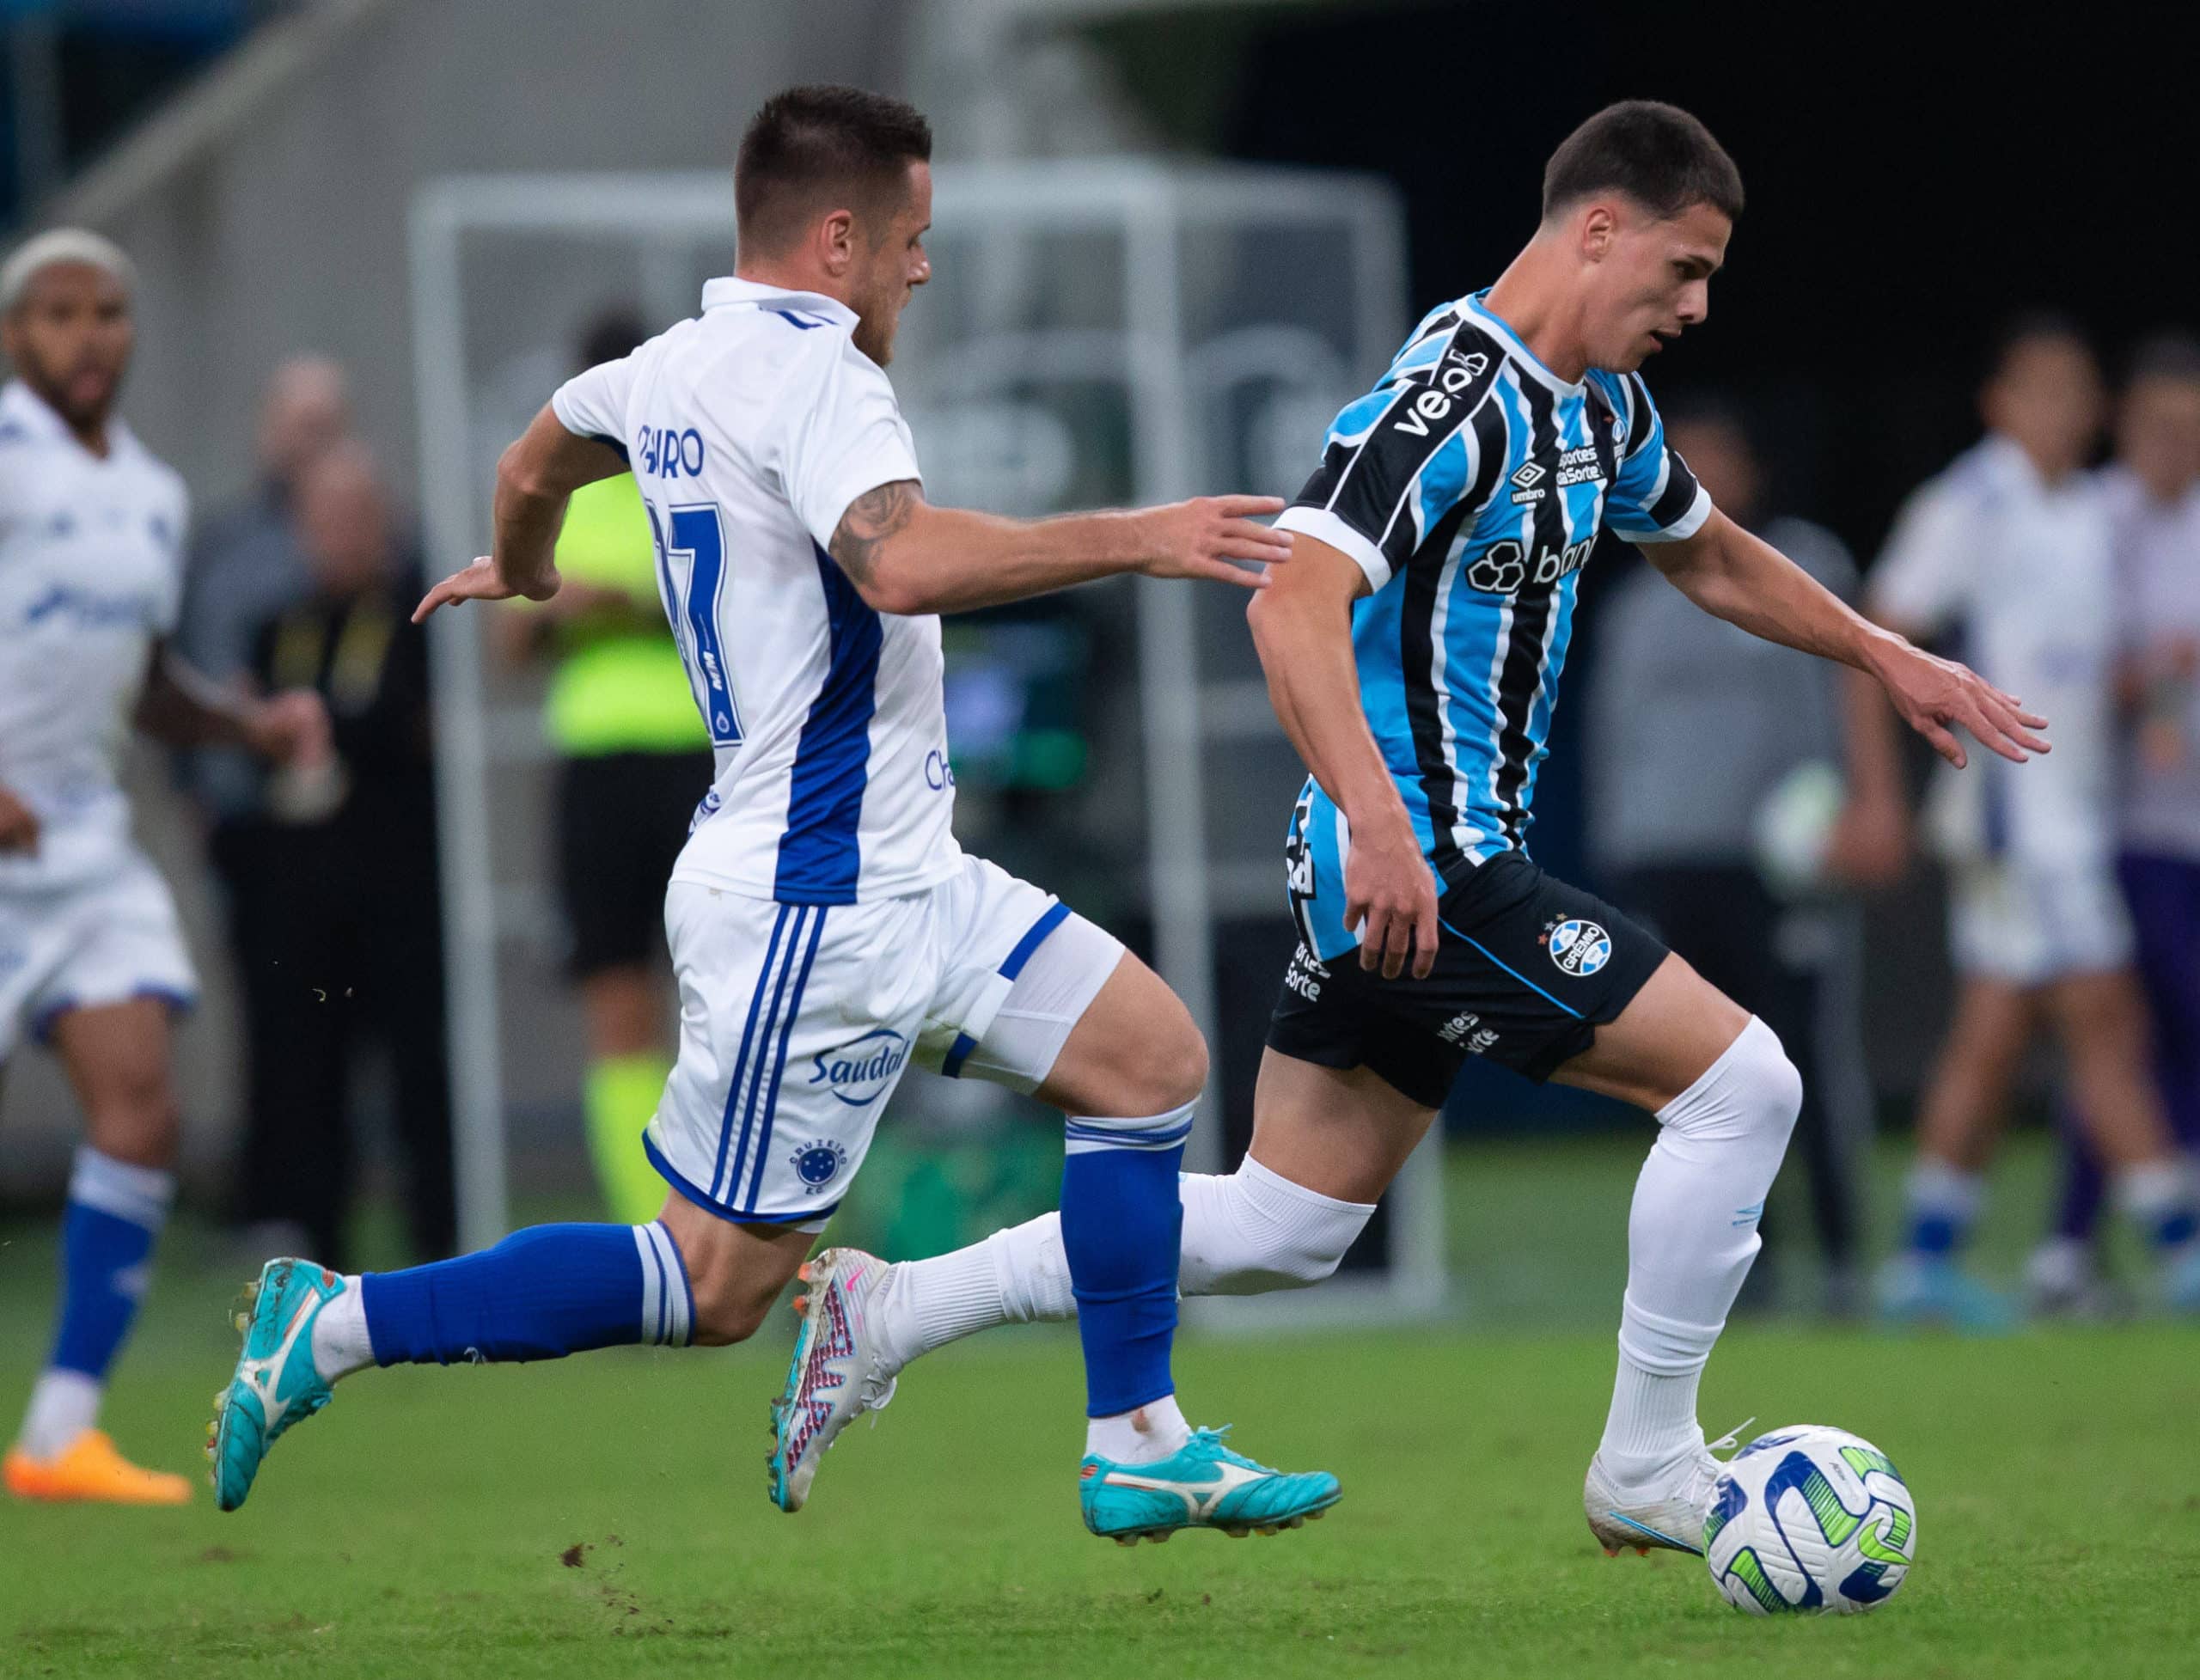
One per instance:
[(1253, 1231), (1753, 1091), (138, 1121), (1174, 1074)]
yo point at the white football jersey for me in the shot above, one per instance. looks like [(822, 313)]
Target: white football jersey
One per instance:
[(2020, 570), (91, 573), (750, 429)]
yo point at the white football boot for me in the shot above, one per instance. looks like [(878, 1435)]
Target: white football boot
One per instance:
[(839, 1371), (1670, 1514)]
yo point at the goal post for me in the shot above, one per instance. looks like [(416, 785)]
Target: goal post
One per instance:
[(1097, 331)]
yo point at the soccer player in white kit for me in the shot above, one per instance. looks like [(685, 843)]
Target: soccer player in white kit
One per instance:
[(92, 961), (826, 929), (2010, 550)]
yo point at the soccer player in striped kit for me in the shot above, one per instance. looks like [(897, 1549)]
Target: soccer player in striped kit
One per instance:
[(1413, 649)]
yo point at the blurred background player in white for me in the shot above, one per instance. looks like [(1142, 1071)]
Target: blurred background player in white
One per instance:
[(633, 758), (1677, 829), (825, 927), (2008, 550), (91, 958), (2153, 493)]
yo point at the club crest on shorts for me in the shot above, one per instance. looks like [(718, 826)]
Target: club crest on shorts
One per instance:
[(1579, 948), (817, 1165), (862, 1069)]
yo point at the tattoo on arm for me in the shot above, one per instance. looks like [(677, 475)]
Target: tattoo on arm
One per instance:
[(872, 518)]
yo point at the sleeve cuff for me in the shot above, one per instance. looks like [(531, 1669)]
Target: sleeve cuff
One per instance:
[(833, 504), (1681, 529), (1325, 527)]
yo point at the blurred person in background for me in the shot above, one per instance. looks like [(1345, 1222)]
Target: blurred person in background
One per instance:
[(2010, 549), (246, 566), (633, 759), (2153, 493), (92, 960), (356, 938), (1693, 839)]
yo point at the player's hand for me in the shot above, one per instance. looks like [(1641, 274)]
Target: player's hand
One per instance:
[(290, 728), (481, 580), (1219, 537), (1931, 695), (1390, 897), (18, 825)]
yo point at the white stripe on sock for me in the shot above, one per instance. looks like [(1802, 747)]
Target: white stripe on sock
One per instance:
[(677, 1329), (653, 1296), (139, 1195)]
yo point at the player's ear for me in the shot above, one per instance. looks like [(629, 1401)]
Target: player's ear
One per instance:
[(836, 242), (1599, 228)]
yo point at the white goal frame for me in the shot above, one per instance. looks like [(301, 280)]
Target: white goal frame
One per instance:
[(666, 217)]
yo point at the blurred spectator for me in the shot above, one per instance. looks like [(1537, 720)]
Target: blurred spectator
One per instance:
[(634, 759), (246, 564), (1702, 737), (350, 857), (2153, 493), (2010, 548)]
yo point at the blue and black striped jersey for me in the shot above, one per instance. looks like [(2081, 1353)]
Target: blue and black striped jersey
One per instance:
[(1469, 485)]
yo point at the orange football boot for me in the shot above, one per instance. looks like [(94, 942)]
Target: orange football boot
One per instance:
[(89, 1469)]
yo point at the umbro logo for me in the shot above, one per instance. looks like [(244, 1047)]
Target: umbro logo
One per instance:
[(1530, 475)]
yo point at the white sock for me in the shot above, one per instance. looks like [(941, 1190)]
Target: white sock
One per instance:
[(1245, 1233), (341, 1342), (2157, 1197), (1691, 1235), (63, 1405), (1147, 1436)]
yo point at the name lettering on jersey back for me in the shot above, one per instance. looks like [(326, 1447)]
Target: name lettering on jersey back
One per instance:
[(667, 452), (1453, 375)]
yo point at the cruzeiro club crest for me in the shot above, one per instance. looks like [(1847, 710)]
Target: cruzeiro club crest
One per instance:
[(1579, 948), (817, 1165)]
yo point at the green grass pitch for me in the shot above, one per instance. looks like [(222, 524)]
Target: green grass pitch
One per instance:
[(606, 1516)]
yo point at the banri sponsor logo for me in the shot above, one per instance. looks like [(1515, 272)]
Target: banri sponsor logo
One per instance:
[(860, 1072)]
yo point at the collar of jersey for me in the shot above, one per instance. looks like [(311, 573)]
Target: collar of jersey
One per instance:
[(30, 410), (730, 291), (1527, 358)]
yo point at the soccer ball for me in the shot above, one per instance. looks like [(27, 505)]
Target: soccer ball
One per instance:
[(1808, 1519)]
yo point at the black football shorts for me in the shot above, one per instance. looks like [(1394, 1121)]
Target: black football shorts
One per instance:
[(1527, 969)]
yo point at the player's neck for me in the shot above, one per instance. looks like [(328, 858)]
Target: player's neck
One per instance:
[(91, 434), (1528, 298), (787, 275)]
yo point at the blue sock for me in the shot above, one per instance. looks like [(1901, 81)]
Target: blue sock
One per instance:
[(540, 1294), (1123, 1220), (1943, 1202), (115, 1211)]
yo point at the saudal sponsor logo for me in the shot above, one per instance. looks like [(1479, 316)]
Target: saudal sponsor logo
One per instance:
[(860, 1071)]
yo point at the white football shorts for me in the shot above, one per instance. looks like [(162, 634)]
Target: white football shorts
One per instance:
[(101, 941), (2028, 923), (798, 1020)]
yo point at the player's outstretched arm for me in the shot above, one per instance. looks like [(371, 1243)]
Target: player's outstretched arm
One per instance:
[(535, 478), (906, 556), (1744, 580), (1302, 630), (186, 708)]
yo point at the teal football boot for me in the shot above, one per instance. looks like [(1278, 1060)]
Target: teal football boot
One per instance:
[(1203, 1485), (276, 1384)]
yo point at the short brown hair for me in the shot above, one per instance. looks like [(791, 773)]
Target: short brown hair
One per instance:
[(1656, 154), (811, 143)]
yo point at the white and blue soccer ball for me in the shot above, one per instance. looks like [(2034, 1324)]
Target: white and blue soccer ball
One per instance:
[(1810, 1519)]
